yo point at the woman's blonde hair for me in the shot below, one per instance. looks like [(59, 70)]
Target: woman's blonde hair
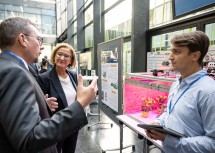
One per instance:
[(64, 45)]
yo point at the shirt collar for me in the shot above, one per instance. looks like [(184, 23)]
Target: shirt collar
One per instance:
[(21, 60), (192, 77)]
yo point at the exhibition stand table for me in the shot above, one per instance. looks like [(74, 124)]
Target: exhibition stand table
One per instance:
[(131, 122)]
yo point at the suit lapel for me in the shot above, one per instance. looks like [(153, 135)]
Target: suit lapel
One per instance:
[(40, 92), (57, 85), (34, 67), (41, 95), (72, 80)]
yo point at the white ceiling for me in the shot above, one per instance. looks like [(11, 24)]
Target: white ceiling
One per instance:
[(45, 4)]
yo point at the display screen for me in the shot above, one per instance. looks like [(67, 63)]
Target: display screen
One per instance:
[(185, 7)]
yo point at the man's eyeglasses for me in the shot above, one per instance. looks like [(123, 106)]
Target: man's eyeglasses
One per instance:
[(66, 56), (40, 39)]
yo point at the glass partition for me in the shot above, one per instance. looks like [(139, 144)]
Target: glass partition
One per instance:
[(59, 27), (74, 10), (75, 45), (118, 20), (160, 12), (75, 27), (162, 42), (126, 58), (44, 18), (89, 36), (109, 3), (88, 14), (210, 31), (47, 22), (2, 15), (87, 2)]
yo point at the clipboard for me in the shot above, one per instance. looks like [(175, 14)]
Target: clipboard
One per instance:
[(160, 128)]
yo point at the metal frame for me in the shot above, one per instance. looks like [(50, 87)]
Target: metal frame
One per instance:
[(104, 46)]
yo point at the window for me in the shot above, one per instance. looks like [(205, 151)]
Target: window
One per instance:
[(109, 3), (162, 42), (210, 31), (89, 36), (88, 14), (120, 24)]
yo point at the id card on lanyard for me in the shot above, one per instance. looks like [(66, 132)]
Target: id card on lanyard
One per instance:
[(172, 105)]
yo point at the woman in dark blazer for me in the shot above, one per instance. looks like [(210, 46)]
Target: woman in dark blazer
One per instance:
[(61, 83)]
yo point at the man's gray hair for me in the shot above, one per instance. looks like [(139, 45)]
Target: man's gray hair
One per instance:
[(11, 28)]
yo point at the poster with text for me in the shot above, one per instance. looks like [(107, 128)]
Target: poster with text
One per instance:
[(109, 80)]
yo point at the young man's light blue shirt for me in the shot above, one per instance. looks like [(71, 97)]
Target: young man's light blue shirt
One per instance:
[(193, 115)]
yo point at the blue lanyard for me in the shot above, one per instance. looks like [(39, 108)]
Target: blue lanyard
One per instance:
[(170, 104), (10, 53)]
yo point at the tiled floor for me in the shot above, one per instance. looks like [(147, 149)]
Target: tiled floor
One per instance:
[(102, 137)]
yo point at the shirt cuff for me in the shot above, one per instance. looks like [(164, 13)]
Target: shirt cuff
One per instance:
[(170, 141)]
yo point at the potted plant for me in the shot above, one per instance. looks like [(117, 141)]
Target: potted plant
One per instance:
[(161, 102), (146, 106)]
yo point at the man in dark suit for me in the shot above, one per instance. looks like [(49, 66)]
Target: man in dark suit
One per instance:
[(25, 123)]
